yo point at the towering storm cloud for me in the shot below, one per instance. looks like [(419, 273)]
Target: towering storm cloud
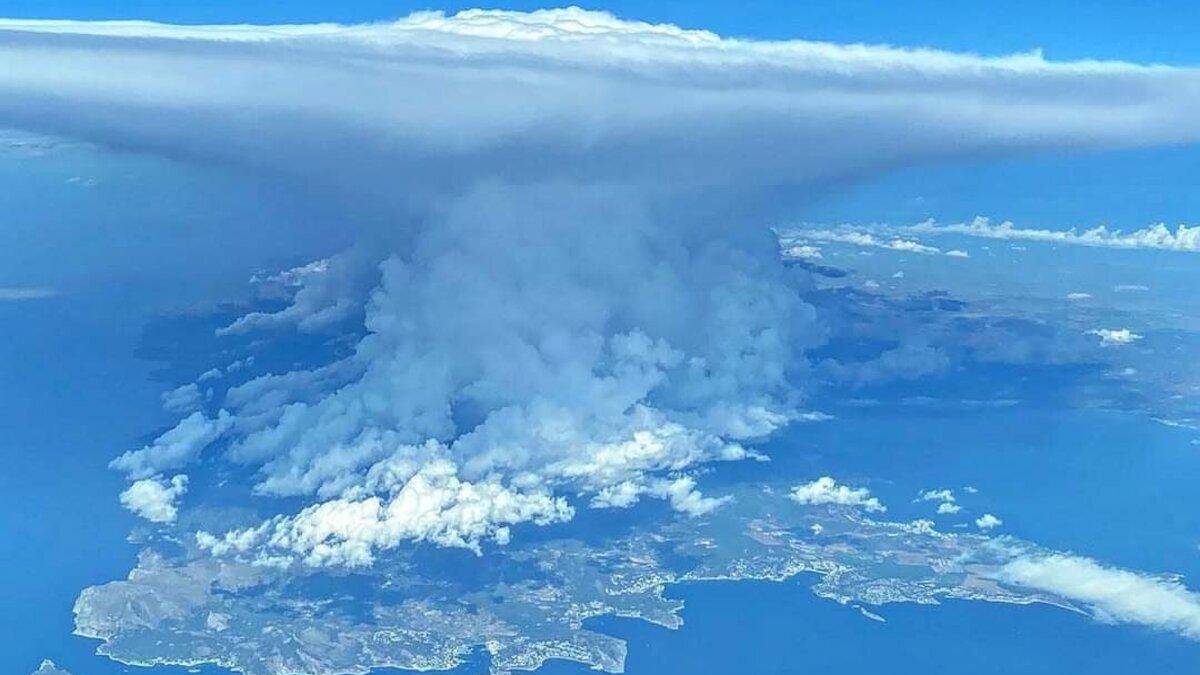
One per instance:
[(570, 293), (430, 105)]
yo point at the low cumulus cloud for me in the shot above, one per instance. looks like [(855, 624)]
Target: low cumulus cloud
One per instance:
[(183, 399), (1112, 337), (1157, 236), (155, 498), (988, 522), (565, 283), (826, 490), (175, 448), (861, 239), (947, 503), (1111, 594), (900, 238), (48, 667)]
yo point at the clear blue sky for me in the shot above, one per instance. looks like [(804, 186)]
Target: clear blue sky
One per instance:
[(1146, 31)]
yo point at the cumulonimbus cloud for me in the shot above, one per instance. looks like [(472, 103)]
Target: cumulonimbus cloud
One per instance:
[(577, 295), (441, 101)]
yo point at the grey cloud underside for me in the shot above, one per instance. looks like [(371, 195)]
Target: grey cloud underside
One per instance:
[(441, 103)]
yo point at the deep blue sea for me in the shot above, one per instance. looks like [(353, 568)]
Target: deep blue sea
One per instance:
[(1108, 485), (74, 393)]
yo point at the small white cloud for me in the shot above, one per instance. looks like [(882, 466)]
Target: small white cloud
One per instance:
[(1111, 337), (825, 490), (1079, 296), (922, 526), (48, 667), (956, 253), (936, 496), (947, 502), (210, 374), (987, 522), (239, 365), (685, 498), (802, 252), (1159, 236), (175, 447), (184, 399), (909, 246), (1113, 595), (154, 498), (1131, 288), (860, 239)]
